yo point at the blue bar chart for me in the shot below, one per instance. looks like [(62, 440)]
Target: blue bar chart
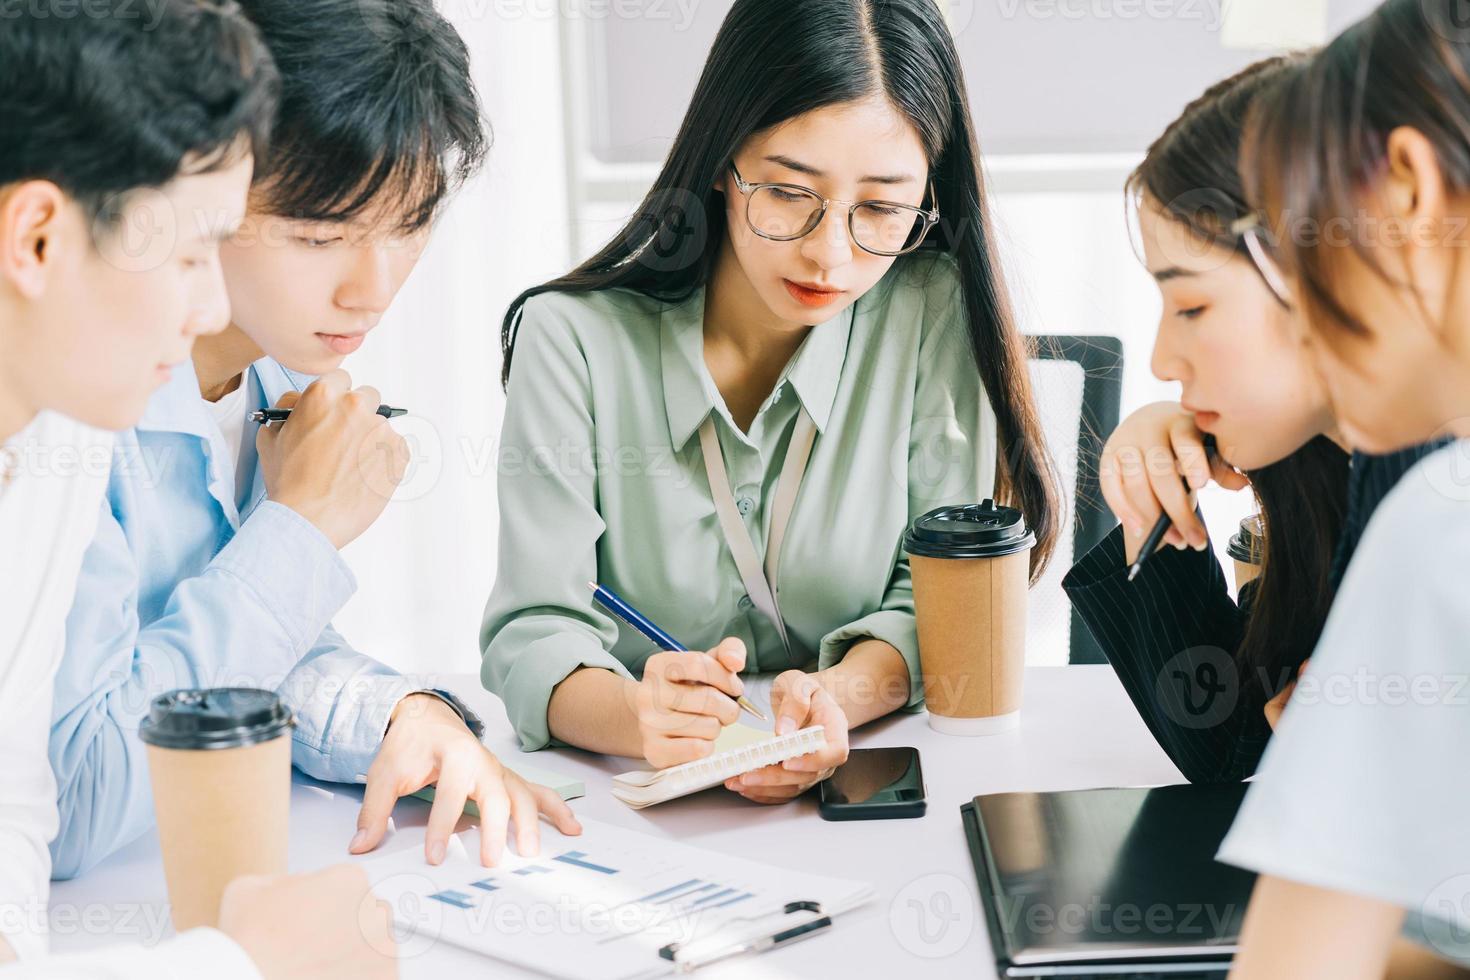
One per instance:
[(695, 894), (689, 896), (569, 859), (577, 859)]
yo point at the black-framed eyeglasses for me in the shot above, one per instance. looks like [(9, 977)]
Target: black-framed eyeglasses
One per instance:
[(786, 212), (1252, 232)]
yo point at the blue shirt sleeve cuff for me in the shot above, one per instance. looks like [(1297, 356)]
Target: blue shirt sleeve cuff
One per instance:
[(471, 720), (343, 750)]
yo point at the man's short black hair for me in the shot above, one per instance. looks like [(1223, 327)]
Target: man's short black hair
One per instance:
[(377, 110), (121, 96)]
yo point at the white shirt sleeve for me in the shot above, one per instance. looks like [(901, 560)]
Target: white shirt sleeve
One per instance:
[(52, 485), (1363, 788), (50, 495), (27, 812), (196, 953)]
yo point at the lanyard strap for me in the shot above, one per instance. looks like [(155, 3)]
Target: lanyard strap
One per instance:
[(760, 584)]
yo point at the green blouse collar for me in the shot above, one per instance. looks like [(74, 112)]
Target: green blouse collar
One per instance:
[(690, 393)]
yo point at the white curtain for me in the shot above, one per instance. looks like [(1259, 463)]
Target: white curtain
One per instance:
[(425, 569)]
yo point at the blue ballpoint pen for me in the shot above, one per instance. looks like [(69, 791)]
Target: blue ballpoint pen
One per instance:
[(619, 607)]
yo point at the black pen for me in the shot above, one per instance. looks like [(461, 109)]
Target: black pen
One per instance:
[(1161, 526), (267, 415)]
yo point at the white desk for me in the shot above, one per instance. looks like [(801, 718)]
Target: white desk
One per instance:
[(1079, 731)]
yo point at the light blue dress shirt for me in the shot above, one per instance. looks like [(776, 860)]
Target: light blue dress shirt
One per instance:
[(186, 586)]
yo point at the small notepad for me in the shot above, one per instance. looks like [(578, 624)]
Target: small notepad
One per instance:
[(738, 750)]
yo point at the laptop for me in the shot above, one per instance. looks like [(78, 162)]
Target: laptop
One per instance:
[(1109, 883)]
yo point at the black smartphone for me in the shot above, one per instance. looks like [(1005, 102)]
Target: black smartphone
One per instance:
[(875, 784)]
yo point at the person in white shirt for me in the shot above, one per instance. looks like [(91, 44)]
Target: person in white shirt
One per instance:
[(137, 140), (1356, 822), (1358, 815)]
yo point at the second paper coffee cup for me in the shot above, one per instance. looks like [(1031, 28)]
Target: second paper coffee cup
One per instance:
[(1248, 549), (220, 763), (971, 572)]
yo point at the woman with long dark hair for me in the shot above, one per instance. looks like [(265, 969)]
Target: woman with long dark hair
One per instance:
[(1208, 674), (807, 298)]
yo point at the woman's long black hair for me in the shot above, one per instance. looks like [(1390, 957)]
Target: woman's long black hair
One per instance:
[(774, 60), (1192, 173)]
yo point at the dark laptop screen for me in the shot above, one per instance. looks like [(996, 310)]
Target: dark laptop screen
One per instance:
[(1112, 874)]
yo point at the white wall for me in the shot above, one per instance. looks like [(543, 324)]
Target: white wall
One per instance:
[(425, 568)]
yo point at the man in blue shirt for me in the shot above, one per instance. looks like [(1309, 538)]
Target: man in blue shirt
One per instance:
[(216, 561)]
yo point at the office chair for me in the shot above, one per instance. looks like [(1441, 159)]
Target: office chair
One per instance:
[(1079, 392)]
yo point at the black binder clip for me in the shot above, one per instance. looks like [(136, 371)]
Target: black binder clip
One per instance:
[(691, 959)]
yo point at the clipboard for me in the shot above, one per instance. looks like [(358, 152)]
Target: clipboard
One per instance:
[(689, 957)]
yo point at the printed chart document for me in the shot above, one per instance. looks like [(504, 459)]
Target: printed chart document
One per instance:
[(600, 906)]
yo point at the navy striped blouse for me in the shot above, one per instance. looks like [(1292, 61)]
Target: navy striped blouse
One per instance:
[(1172, 634)]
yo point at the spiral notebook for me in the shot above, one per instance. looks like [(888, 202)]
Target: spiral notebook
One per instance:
[(738, 750)]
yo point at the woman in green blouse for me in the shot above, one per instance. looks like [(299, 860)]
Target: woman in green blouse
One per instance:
[(731, 413)]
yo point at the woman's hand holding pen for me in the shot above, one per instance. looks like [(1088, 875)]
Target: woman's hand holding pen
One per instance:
[(1140, 473), (799, 701), (686, 699)]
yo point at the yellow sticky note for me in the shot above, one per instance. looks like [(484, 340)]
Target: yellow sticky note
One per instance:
[(1273, 25), (738, 736)]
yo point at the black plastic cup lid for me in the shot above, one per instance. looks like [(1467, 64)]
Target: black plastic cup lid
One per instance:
[(214, 718), (976, 531), (1249, 543)]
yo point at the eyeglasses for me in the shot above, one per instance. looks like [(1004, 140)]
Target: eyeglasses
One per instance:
[(1252, 232), (786, 212)]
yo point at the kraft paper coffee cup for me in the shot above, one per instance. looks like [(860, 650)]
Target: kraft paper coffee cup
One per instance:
[(1248, 548), (971, 572), (220, 761)]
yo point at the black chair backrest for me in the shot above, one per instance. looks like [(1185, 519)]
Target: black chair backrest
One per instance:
[(1101, 362)]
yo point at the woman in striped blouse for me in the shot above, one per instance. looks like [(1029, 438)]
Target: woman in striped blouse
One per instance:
[(1205, 671)]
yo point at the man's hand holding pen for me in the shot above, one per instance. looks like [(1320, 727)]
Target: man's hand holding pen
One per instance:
[(336, 461)]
